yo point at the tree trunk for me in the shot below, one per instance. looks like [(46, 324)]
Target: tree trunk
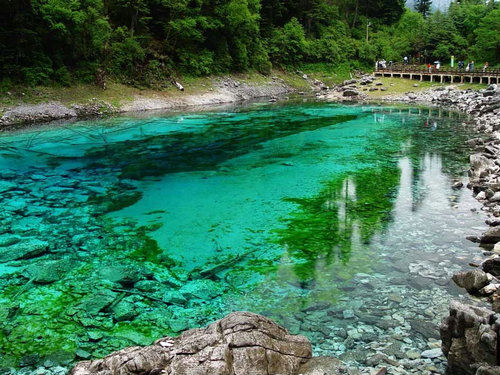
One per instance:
[(355, 14)]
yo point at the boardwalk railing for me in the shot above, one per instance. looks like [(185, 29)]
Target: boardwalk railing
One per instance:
[(479, 75)]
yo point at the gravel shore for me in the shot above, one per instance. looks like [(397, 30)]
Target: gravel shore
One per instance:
[(226, 90)]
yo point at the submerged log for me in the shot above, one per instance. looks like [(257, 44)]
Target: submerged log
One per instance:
[(211, 272)]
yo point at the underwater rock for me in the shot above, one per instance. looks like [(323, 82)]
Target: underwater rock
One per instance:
[(97, 302), (125, 275), (241, 343), (47, 272), (426, 328), (326, 365), (432, 353), (479, 164), (6, 186), (31, 248), (201, 289), (174, 297), (9, 240), (125, 309)]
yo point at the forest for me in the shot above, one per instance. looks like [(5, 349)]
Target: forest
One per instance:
[(146, 41)]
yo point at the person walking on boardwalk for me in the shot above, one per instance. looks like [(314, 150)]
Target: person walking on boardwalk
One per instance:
[(429, 67), (405, 60), (486, 66), (471, 67)]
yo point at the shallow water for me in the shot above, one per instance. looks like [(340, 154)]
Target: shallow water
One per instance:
[(337, 221)]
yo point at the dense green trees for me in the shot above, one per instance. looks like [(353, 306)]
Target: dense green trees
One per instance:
[(148, 41)]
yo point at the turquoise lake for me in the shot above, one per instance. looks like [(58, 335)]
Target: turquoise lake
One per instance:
[(339, 222)]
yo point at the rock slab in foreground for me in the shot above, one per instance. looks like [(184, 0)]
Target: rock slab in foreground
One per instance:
[(242, 343), (469, 340)]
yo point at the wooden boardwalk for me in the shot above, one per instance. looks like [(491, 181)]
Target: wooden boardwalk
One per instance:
[(489, 76)]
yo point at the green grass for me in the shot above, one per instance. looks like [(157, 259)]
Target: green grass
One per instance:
[(117, 94), (397, 86)]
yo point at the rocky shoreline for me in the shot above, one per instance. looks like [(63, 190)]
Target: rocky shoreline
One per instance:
[(225, 91)]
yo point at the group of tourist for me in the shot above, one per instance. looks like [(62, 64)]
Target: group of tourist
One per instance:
[(467, 68), (470, 66), (437, 66), (462, 67)]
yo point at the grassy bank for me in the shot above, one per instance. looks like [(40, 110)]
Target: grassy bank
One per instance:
[(396, 86), (118, 94)]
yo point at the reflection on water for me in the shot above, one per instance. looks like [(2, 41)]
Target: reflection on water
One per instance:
[(337, 221)]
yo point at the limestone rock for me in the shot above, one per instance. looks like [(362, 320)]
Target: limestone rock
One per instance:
[(50, 271), (472, 281), (125, 275), (491, 236), (94, 303), (432, 353), (479, 163), (492, 266), (350, 92), (468, 338), (241, 343)]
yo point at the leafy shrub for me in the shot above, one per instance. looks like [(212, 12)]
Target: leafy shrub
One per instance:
[(196, 64), (62, 76), (288, 45), (126, 53)]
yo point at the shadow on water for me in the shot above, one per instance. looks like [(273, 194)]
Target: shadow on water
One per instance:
[(224, 137)]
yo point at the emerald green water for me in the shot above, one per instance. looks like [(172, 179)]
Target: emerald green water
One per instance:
[(339, 222)]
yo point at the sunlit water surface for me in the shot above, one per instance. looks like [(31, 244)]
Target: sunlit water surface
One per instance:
[(339, 222)]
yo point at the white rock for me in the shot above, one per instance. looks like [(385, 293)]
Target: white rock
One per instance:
[(481, 195), (432, 353), (348, 314)]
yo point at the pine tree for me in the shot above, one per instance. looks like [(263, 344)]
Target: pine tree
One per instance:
[(423, 7)]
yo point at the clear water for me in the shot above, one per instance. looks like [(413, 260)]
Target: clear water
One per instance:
[(339, 222)]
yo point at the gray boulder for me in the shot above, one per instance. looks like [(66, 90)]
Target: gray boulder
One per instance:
[(492, 266), (491, 236), (469, 339), (479, 165), (242, 343), (350, 93), (472, 280)]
